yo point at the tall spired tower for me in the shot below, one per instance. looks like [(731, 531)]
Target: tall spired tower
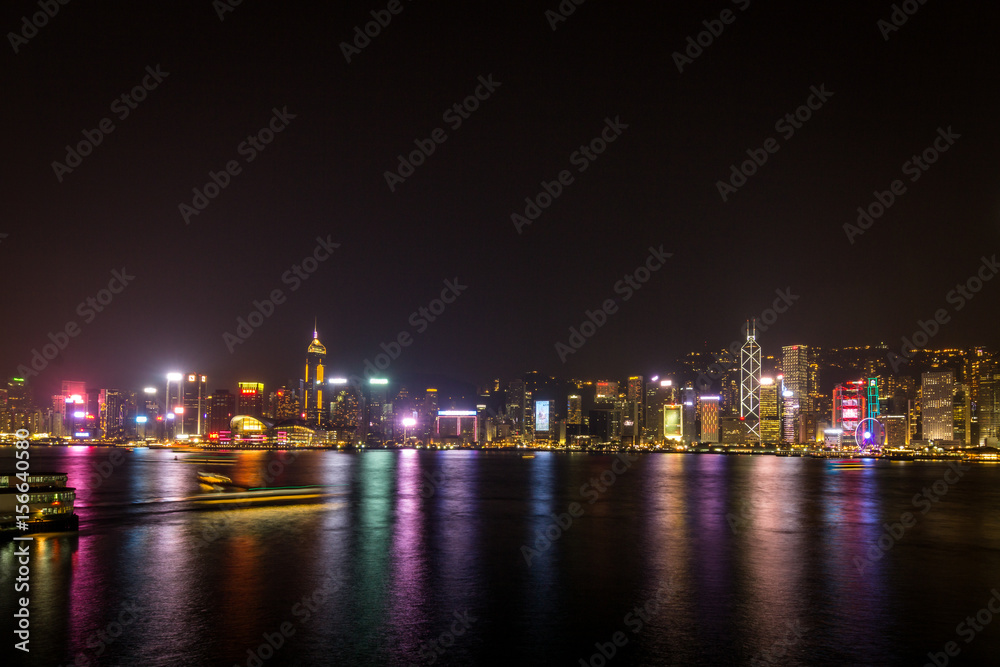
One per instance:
[(750, 383), (315, 381)]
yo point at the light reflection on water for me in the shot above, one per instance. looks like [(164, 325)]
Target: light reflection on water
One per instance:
[(404, 541)]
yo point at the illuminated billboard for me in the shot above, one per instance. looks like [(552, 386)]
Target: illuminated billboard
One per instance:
[(541, 415), (673, 422)]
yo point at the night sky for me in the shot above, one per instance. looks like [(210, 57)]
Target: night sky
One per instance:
[(323, 176)]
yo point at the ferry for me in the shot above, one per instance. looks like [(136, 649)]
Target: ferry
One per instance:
[(49, 507)]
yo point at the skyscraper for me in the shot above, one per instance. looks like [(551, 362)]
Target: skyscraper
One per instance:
[(962, 414), (250, 400), (770, 410), (849, 408), (221, 410), (315, 383), (937, 405), (795, 368), (708, 409), (194, 401), (636, 403), (750, 384), (117, 409), (989, 403)]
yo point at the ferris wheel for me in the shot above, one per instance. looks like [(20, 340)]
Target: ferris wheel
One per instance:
[(870, 434)]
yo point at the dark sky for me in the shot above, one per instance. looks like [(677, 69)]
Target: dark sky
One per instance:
[(323, 176)]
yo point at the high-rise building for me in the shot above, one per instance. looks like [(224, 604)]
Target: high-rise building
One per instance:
[(515, 404), (574, 410), (117, 410), (375, 408), (937, 405), (849, 408), (636, 400), (896, 432), (770, 410), (607, 393), (284, 404), (795, 368), (345, 412), (673, 423), (689, 401), (789, 415), (658, 394), (315, 382), (194, 404), (708, 409), (18, 405), (221, 410), (962, 414), (250, 399), (750, 384), (988, 405)]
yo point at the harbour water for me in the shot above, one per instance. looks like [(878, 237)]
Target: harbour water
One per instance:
[(473, 557)]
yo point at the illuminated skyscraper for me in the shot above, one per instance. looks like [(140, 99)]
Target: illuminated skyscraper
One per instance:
[(789, 414), (795, 367), (708, 409), (607, 393), (962, 414), (194, 404), (250, 400), (750, 384), (850, 401), (221, 410), (937, 408), (770, 410), (636, 402), (315, 382), (989, 403), (18, 413), (574, 410), (515, 404), (117, 410)]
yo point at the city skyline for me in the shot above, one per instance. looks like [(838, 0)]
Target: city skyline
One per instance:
[(311, 214)]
